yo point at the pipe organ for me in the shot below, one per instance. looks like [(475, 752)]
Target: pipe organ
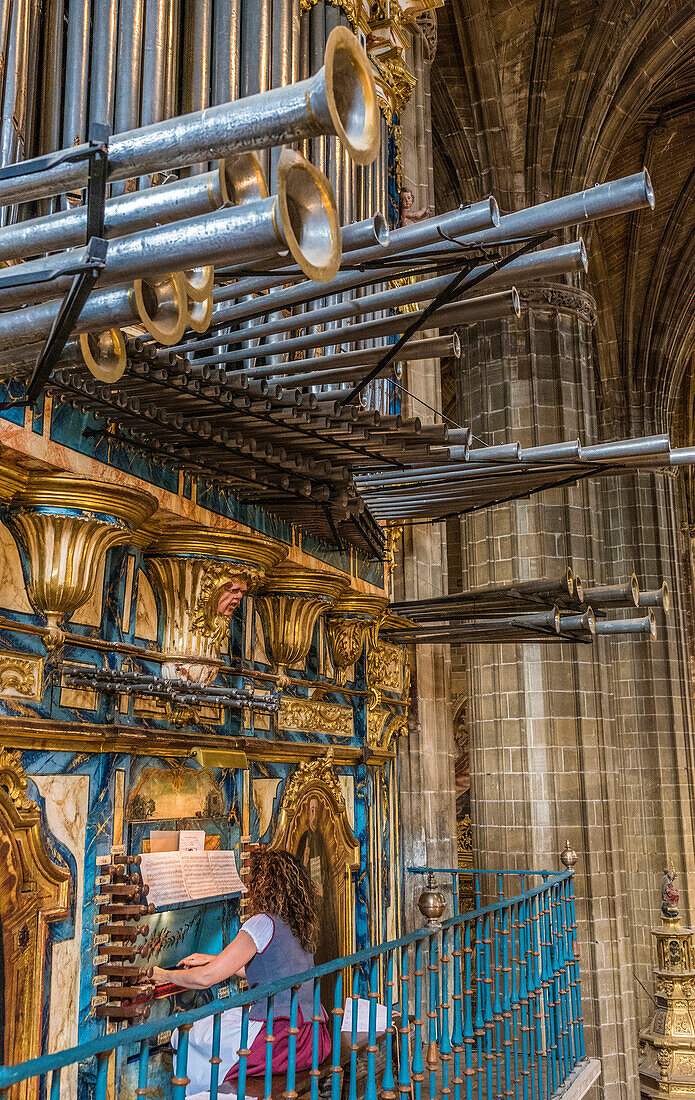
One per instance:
[(202, 469)]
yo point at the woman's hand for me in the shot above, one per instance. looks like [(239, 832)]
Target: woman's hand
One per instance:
[(196, 959), (160, 977)]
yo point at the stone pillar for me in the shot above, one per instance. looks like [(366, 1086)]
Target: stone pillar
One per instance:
[(546, 760), (653, 706), (428, 794)]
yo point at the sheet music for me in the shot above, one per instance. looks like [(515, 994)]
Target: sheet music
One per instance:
[(163, 874), (224, 873), (174, 877), (196, 872)]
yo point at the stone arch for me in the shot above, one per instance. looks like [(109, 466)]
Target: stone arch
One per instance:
[(644, 66), (34, 892)]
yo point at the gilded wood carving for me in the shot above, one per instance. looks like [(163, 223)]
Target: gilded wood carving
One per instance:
[(34, 891), (314, 826)]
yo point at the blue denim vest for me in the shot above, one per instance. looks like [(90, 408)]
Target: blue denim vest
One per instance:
[(283, 957)]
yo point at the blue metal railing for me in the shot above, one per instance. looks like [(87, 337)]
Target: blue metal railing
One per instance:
[(498, 1015)]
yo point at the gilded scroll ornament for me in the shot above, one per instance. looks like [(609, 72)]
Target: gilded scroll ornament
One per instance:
[(13, 779), (349, 7), (346, 641), (383, 727), (20, 676), (65, 525), (388, 669), (315, 716), (318, 770), (396, 82), (376, 720), (33, 892), (290, 603), (347, 626)]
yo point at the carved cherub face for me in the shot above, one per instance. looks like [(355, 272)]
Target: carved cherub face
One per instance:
[(231, 596), (407, 199)]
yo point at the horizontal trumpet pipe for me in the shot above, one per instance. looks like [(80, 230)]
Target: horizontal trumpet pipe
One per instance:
[(125, 214), (301, 217), (497, 305), (584, 622), (472, 219), (627, 448), (615, 596), (607, 199), (329, 366), (562, 586), (564, 259), (628, 626), (656, 597), (542, 620), (28, 327), (369, 233), (339, 99)]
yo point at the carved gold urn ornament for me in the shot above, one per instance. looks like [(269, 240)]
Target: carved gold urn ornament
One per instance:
[(347, 625), (290, 603), (65, 525), (667, 1044), (201, 577)]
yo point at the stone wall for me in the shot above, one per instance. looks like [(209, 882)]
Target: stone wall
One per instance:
[(428, 794), (586, 743)]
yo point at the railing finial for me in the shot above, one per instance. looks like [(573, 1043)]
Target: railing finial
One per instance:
[(568, 855), (431, 902)]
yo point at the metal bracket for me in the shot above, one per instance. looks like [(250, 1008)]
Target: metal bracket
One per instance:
[(85, 270), (99, 135), (458, 284)]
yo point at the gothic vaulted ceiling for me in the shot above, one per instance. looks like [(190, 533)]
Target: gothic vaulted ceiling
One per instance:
[(538, 98)]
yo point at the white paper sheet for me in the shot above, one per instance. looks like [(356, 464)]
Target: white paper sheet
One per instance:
[(163, 874), (174, 877), (224, 873), (192, 840)]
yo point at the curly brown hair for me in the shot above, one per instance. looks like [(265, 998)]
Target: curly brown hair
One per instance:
[(278, 885)]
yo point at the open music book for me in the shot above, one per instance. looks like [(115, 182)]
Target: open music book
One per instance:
[(174, 877)]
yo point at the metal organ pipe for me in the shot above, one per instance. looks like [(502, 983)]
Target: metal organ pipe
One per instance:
[(348, 365), (340, 99), (103, 63), (301, 217), (504, 303), (76, 75), (137, 210), (243, 182), (154, 65), (534, 265), (197, 55), (52, 74), (129, 67), (226, 51)]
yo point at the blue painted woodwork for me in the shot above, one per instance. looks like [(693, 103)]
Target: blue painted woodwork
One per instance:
[(524, 1037)]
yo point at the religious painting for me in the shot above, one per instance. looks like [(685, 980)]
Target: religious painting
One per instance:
[(314, 827), (313, 854)]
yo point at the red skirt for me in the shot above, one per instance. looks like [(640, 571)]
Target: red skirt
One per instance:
[(255, 1063)]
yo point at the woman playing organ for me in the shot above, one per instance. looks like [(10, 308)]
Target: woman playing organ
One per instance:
[(277, 941)]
